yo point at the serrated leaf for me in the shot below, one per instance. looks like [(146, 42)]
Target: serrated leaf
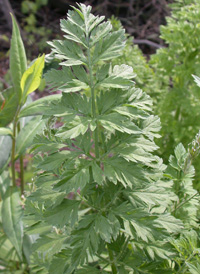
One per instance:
[(79, 125), (151, 126), (115, 121), (193, 269), (18, 61), (84, 241), (120, 170), (152, 195), (141, 224), (58, 265), (74, 179), (12, 218), (54, 161), (140, 100), (101, 31), (31, 78), (180, 154), (170, 223), (103, 227), (110, 47), (66, 212), (51, 245), (69, 51), (118, 78), (73, 32)]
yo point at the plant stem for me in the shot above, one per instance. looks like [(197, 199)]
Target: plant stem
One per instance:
[(124, 247), (94, 110), (111, 257), (13, 152), (185, 262), (15, 121), (21, 160), (181, 204)]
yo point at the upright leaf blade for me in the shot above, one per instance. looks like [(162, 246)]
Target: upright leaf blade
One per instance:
[(17, 58), (5, 148), (4, 183), (9, 109), (31, 78), (26, 135), (12, 218)]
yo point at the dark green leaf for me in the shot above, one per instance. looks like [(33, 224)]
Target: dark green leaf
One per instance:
[(12, 218), (17, 59), (7, 114), (66, 212), (5, 149), (26, 135)]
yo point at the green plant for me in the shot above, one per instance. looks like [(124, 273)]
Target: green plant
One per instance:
[(16, 135), (98, 203), (179, 102), (186, 207), (181, 171), (188, 247)]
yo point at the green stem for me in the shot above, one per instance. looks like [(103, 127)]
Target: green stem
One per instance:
[(87, 203), (185, 262), (94, 108), (15, 122), (181, 204), (21, 160), (13, 153), (111, 257), (124, 247)]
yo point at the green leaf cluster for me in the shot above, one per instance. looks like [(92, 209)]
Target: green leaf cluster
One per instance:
[(99, 203), (182, 173), (179, 101)]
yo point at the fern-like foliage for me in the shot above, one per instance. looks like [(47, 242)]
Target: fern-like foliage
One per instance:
[(99, 202), (182, 173), (179, 103), (186, 208), (188, 247)]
